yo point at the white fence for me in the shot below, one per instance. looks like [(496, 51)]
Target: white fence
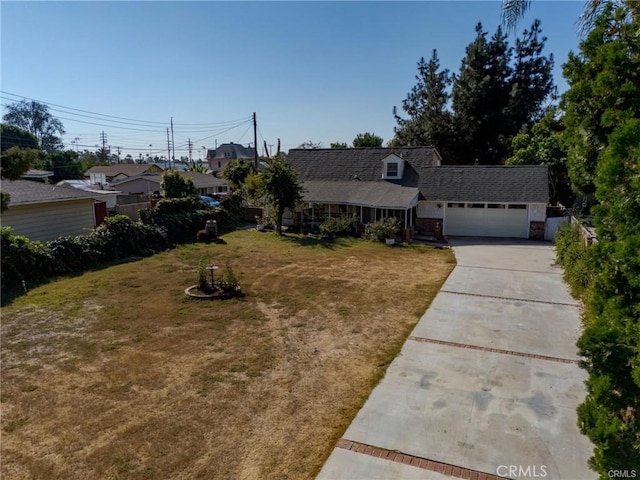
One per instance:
[(551, 226)]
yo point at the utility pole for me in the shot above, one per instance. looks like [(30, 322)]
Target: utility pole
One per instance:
[(190, 147), (118, 154), (103, 139), (173, 145), (255, 141), (168, 151)]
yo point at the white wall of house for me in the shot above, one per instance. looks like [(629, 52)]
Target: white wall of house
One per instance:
[(47, 221), (537, 212), (430, 209), (98, 178)]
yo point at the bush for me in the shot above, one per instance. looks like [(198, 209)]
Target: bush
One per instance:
[(382, 229), (180, 218), (578, 260), (23, 260), (338, 226), (120, 237)]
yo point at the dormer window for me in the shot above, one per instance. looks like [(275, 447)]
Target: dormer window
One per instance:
[(392, 167)]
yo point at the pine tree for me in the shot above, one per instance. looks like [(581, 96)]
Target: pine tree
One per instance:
[(429, 121), (480, 100)]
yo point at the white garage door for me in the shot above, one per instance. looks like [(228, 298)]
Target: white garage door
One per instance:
[(486, 220)]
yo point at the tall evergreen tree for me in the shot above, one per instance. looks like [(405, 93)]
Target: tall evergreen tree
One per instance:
[(531, 82), (491, 100), (429, 121), (480, 99)]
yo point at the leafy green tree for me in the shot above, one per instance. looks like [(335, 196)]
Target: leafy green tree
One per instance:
[(430, 121), (14, 162), (35, 118), (175, 185), (604, 88), (545, 145), (237, 171), (65, 165), (367, 140), (12, 136), (602, 131), (279, 186), (339, 145)]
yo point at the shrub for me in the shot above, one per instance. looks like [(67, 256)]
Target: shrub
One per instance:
[(382, 229), (578, 260), (120, 237), (23, 260), (338, 226), (180, 218)]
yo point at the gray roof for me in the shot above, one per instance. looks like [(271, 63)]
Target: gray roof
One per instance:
[(499, 184), (234, 149), (351, 164), (25, 192), (200, 180), (128, 169), (367, 194)]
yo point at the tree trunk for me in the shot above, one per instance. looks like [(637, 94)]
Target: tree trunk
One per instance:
[(279, 215)]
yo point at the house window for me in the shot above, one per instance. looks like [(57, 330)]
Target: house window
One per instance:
[(455, 205), (392, 169), (219, 164)]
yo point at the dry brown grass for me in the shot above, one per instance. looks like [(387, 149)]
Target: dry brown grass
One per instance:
[(116, 374)]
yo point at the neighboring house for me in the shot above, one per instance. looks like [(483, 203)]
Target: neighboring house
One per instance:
[(151, 182), (108, 196), (37, 175), (44, 212), (411, 184), (103, 175), (226, 152)]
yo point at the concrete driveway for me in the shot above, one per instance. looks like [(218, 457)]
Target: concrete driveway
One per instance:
[(487, 384)]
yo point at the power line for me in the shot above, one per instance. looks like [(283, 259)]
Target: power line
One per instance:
[(148, 123)]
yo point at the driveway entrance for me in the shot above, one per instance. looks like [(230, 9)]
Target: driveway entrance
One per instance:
[(487, 384)]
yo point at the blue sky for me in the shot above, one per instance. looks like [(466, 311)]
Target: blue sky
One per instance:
[(319, 71)]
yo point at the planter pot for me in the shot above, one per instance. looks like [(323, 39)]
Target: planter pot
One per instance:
[(390, 241)]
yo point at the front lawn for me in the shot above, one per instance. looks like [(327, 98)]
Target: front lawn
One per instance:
[(117, 374)]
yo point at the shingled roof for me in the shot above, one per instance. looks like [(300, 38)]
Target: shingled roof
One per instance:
[(128, 169), (366, 194), (200, 180), (363, 164), (499, 184), (24, 192)]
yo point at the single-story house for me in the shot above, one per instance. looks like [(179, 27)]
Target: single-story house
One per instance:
[(37, 175), (411, 184), (105, 174), (148, 183), (44, 212), (226, 152), (108, 196)]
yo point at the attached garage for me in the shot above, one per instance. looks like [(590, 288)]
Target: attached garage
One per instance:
[(484, 201), (486, 219)]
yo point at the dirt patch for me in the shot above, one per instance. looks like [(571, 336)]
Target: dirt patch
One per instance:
[(101, 380)]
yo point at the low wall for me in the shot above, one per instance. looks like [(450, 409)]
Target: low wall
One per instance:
[(131, 210)]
